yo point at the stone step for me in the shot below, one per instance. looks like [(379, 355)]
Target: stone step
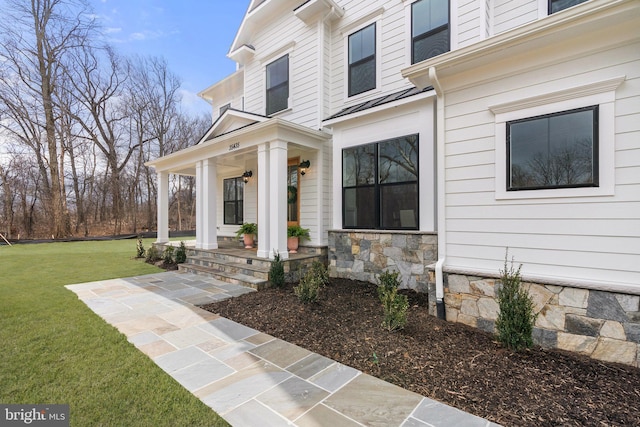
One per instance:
[(235, 278), (236, 265), (231, 256)]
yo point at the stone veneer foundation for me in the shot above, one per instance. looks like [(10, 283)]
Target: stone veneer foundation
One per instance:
[(602, 325), (363, 255)]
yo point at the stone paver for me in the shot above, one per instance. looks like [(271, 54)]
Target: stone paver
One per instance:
[(248, 377)]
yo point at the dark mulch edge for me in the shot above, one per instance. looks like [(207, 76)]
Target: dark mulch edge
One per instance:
[(450, 362)]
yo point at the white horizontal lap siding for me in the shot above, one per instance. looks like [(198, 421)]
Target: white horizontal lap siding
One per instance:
[(327, 193), (584, 239), (468, 22), (509, 14), (303, 78)]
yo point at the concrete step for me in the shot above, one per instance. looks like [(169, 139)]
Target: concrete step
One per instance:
[(235, 278)]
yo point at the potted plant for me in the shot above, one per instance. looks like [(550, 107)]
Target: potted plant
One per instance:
[(248, 230), (295, 233)]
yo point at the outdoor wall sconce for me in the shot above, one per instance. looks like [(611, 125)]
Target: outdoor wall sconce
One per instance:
[(246, 175), (304, 165)]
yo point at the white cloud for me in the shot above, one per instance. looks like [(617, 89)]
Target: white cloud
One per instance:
[(193, 104), (112, 30)]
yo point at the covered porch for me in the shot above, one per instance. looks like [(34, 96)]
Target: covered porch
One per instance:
[(262, 156)]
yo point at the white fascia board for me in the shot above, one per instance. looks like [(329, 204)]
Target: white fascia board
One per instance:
[(383, 107), (585, 17), (230, 84)]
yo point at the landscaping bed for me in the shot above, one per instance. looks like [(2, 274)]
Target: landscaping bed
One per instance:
[(453, 363)]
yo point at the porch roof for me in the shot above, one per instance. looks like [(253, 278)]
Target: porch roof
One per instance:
[(219, 142)]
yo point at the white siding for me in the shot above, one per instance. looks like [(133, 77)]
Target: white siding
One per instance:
[(591, 239), (469, 22), (509, 14)]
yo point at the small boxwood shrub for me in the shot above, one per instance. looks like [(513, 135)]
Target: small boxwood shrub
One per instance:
[(140, 252), (152, 255), (276, 272), (310, 284), (516, 318), (395, 306), (167, 255), (181, 253)]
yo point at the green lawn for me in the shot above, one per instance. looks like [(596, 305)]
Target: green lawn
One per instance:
[(55, 350)]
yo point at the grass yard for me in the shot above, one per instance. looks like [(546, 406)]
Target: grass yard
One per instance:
[(55, 350)]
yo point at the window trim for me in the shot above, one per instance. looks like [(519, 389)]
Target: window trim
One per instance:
[(595, 149), (271, 89), (239, 182), (377, 186), (601, 93), (413, 39), (373, 57), (550, 4)]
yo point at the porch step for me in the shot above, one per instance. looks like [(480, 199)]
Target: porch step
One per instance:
[(232, 265), (235, 278)]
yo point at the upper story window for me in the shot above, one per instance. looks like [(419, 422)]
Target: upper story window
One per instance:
[(362, 60), (224, 108), (278, 85), (558, 150), (380, 185), (233, 200), (429, 29), (558, 5)]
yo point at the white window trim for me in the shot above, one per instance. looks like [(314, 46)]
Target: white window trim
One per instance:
[(600, 93), (288, 50), (453, 28), (378, 89)]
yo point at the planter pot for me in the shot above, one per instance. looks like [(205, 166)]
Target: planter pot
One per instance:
[(292, 244), (248, 241)]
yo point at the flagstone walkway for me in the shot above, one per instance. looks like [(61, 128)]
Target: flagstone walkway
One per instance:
[(248, 377)]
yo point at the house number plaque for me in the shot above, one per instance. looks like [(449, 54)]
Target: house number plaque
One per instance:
[(234, 146)]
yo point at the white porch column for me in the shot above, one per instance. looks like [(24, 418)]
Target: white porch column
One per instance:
[(209, 214), (199, 200), (264, 189), (278, 189), (163, 207)]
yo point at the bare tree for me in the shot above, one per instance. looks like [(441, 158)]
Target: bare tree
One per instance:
[(37, 35)]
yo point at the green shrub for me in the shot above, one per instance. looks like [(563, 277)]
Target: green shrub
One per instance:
[(276, 272), (309, 287), (181, 253), (153, 254), (516, 318), (395, 306), (139, 248), (167, 255)]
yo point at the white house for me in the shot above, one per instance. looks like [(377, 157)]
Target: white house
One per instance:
[(428, 136)]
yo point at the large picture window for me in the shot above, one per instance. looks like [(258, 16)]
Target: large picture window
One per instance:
[(429, 29), (380, 185), (233, 200), (557, 150), (558, 5), (362, 60), (278, 85)]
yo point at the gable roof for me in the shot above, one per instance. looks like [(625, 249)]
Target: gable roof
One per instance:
[(231, 120)]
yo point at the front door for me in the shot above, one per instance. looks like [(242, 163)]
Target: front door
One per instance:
[(293, 191)]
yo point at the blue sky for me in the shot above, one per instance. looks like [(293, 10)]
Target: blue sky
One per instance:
[(194, 37)]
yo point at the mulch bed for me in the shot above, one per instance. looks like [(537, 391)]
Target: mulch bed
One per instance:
[(453, 363)]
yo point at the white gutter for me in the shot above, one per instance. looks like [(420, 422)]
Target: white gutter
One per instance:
[(440, 191)]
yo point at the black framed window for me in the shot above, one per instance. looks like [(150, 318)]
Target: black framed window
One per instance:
[(233, 200), (278, 85), (558, 5), (224, 108), (362, 60), (557, 150), (380, 185), (429, 29)]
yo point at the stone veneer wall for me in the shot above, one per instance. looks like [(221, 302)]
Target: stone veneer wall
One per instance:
[(362, 255), (602, 325)]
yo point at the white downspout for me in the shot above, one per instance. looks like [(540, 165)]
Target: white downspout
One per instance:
[(440, 192)]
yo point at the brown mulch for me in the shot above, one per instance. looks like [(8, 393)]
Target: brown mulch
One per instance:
[(453, 363)]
